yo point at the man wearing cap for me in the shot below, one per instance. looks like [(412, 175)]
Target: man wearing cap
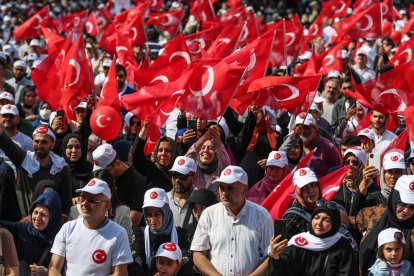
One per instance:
[(367, 138), (92, 244), (360, 66), (383, 137), (182, 177), (9, 121), (232, 236), (40, 164), (19, 80), (130, 185)]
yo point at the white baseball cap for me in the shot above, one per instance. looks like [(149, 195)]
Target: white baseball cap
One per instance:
[(20, 64), (318, 98), (393, 160), (308, 120), (127, 118), (43, 129), (232, 174), (32, 57), (107, 63), (35, 42), (96, 186), (405, 185), (314, 106), (170, 250), (344, 54), (81, 105), (334, 74), (363, 51), (155, 197), (103, 156), (184, 165), (303, 177), (9, 109), (367, 132), (306, 55), (6, 96), (277, 158), (388, 235), (358, 152)]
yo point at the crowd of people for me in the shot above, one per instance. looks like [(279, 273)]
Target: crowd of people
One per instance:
[(73, 203)]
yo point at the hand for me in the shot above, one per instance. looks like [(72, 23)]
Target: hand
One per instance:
[(351, 112), (189, 136), (91, 100), (277, 245), (37, 270), (262, 163), (254, 109), (214, 132), (369, 172), (297, 131)]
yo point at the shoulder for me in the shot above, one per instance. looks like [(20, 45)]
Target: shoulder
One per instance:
[(257, 209)]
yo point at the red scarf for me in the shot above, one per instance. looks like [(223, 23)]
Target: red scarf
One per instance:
[(261, 128)]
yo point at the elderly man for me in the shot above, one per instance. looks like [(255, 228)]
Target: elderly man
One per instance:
[(92, 244), (331, 95), (232, 236), (34, 166)]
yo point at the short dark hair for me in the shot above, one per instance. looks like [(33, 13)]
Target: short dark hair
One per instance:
[(380, 253), (119, 67), (350, 141)]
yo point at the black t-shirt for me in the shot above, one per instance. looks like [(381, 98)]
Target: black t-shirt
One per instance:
[(131, 187)]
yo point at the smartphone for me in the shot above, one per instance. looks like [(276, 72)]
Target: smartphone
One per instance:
[(192, 124), (60, 113), (375, 160), (280, 228)]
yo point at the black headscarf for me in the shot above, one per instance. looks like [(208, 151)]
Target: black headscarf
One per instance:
[(41, 185), (81, 168), (368, 248), (174, 153), (335, 219)]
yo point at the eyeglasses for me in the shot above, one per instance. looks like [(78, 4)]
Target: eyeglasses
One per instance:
[(354, 162), (91, 201), (182, 177), (330, 204), (401, 204)]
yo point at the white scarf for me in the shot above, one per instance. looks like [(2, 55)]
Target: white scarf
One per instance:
[(32, 165), (174, 239), (308, 241)]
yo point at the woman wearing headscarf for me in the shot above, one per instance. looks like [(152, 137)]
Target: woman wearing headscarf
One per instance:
[(28, 108), (156, 172), (351, 120), (320, 251), (276, 170), (44, 112), (399, 214), (74, 152), (160, 229), (35, 238)]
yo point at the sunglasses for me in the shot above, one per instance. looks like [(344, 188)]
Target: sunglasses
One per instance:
[(182, 177), (330, 204), (91, 201), (354, 162), (401, 204)]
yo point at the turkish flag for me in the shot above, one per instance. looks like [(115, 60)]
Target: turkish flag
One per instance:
[(102, 19), (91, 25), (163, 73), (49, 89), (389, 12), (155, 5), (209, 91), (277, 202), (202, 10), (331, 183), (76, 81), (227, 41), (398, 144), (409, 122), (360, 5), (250, 30), (31, 27), (409, 26), (332, 61), (72, 22), (168, 21), (404, 54), (283, 92), (175, 49), (109, 93), (365, 24), (233, 4), (239, 13), (339, 8), (200, 41), (140, 10), (316, 29), (124, 49), (53, 40)]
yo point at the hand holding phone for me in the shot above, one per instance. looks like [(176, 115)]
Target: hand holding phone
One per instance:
[(375, 161), (192, 124), (280, 228)]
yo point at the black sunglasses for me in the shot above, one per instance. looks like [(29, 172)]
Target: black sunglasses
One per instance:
[(182, 177), (354, 162), (330, 204)]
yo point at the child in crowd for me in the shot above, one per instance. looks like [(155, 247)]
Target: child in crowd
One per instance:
[(168, 259), (391, 255)]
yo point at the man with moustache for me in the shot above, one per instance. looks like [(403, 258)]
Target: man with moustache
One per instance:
[(383, 137), (232, 236), (182, 177)]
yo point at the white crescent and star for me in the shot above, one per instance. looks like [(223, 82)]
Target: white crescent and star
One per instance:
[(330, 61), (384, 9), (252, 62), (409, 55), (39, 19), (245, 33), (121, 48), (394, 92), (168, 22), (201, 46), (99, 123), (369, 25), (341, 8), (292, 39), (89, 27), (135, 33), (295, 93), (182, 54), (209, 84), (76, 65), (315, 30), (161, 78)]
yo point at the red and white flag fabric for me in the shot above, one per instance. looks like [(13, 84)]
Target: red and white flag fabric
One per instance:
[(365, 24), (360, 5), (173, 50), (202, 10), (31, 27), (91, 25), (332, 61), (124, 49), (404, 54), (53, 40), (411, 10), (389, 12), (102, 19), (409, 26), (168, 21), (154, 5), (339, 8), (109, 93), (239, 13), (277, 202), (73, 22), (199, 42), (398, 144), (331, 183), (227, 41), (250, 31)]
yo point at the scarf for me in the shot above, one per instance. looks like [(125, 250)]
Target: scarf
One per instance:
[(263, 127), (32, 165), (82, 167), (208, 168), (310, 242), (174, 153), (299, 198), (385, 189)]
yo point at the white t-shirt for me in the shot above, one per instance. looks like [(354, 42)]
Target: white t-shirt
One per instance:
[(92, 251)]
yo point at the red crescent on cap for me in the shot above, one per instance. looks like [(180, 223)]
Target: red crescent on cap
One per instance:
[(302, 172), (153, 195), (301, 241), (302, 116), (411, 186), (170, 246), (181, 162), (8, 107), (42, 129), (394, 158), (99, 256), (4, 94), (95, 162), (92, 182), (227, 172), (366, 131), (277, 156)]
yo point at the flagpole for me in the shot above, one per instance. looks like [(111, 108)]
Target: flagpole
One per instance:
[(284, 42), (234, 93)]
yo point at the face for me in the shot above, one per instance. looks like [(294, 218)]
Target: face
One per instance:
[(378, 120), (73, 150), (391, 176), (154, 217), (164, 154), (198, 210), (343, 148), (354, 168), (167, 266), (135, 125), (393, 252), (321, 223), (332, 90), (9, 121), (30, 98), (42, 145), (347, 86), (182, 183), (386, 46), (120, 77), (94, 207), (360, 113), (404, 211), (201, 124), (309, 133), (207, 152), (294, 153), (80, 114), (274, 173), (361, 59), (310, 193), (233, 195), (40, 217), (19, 72), (411, 163)]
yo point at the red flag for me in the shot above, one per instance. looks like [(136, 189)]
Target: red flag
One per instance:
[(102, 19), (109, 93), (31, 27), (360, 5), (136, 31), (366, 24), (227, 41), (409, 26), (404, 54), (202, 10), (124, 49), (283, 92), (175, 49), (233, 4), (140, 10), (53, 40), (164, 73), (77, 78), (332, 61), (168, 21), (409, 122), (250, 30), (389, 12), (398, 144), (239, 13), (277, 202), (411, 10), (331, 183), (201, 41), (72, 22), (91, 25), (339, 8), (155, 5)]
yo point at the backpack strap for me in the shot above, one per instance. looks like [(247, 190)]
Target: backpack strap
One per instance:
[(299, 212)]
